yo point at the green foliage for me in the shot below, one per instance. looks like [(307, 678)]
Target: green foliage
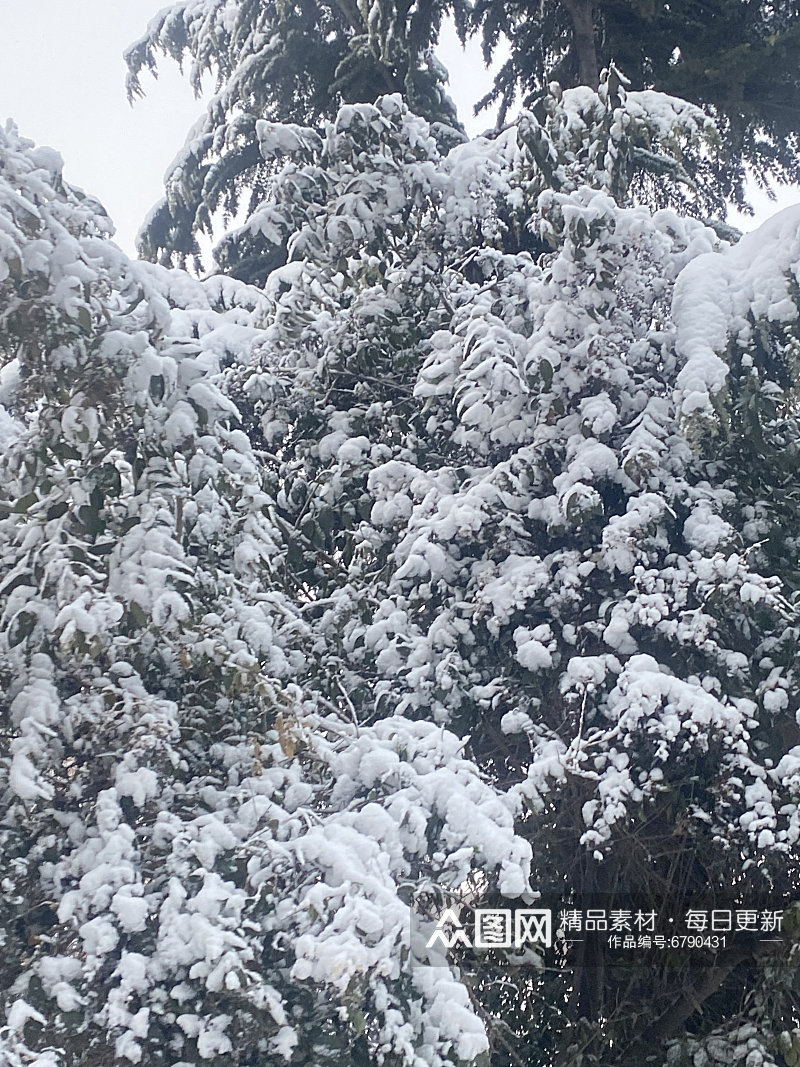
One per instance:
[(459, 558), (285, 62), (737, 61)]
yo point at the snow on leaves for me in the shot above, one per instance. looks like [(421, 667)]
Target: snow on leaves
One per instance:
[(205, 809), (722, 299), (393, 574)]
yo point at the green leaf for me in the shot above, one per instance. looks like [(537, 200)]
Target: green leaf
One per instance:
[(358, 1021), (364, 508), (311, 532), (294, 554), (134, 304), (104, 548), (21, 627), (90, 519), (137, 614), (57, 510), (25, 578), (26, 502), (326, 518)]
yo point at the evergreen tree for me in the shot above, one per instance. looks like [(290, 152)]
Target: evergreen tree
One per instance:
[(738, 61), (287, 62), (298, 61)]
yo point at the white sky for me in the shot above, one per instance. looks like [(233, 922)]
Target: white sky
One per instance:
[(62, 79)]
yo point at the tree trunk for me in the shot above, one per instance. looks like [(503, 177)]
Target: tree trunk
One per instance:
[(692, 1000), (580, 12)]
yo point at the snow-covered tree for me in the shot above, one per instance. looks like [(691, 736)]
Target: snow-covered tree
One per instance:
[(299, 61), (738, 61), (199, 855), (288, 62), (458, 559), (568, 558)]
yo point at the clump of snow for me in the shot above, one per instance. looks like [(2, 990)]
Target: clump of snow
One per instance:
[(717, 297)]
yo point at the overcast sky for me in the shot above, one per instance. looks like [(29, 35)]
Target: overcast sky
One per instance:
[(62, 80)]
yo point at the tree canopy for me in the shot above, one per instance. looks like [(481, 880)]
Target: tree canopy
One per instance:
[(298, 61), (286, 62), (736, 60), (454, 563)]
